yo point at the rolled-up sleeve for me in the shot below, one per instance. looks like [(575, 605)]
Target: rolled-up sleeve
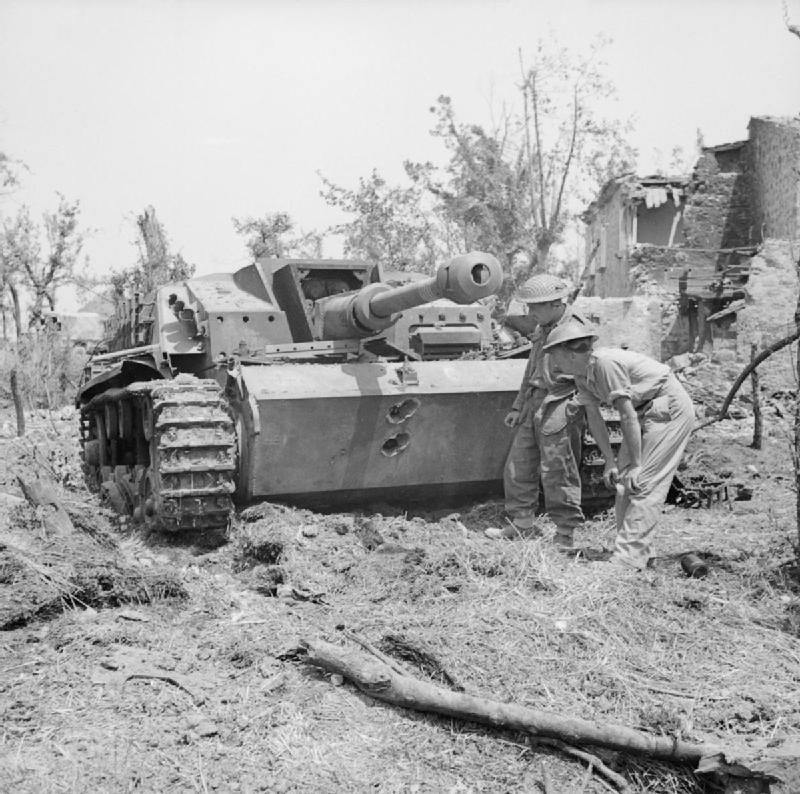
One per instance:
[(610, 381)]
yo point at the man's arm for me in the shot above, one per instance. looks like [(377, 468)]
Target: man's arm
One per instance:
[(632, 435), (599, 431), (525, 386)]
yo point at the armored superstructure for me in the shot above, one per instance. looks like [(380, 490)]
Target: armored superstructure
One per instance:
[(283, 381)]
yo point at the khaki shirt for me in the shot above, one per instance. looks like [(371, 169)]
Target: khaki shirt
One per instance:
[(614, 372), (538, 373)]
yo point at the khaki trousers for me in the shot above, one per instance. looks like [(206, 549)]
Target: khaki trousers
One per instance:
[(666, 427)]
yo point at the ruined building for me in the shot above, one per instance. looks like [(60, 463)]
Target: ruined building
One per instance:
[(709, 258)]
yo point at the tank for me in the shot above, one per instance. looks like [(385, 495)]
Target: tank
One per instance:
[(315, 383)]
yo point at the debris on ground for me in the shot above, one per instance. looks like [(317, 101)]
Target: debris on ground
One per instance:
[(135, 662)]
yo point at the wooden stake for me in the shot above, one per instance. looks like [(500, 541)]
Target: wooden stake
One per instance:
[(758, 426), (18, 406)]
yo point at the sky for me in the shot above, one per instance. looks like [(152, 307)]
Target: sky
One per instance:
[(212, 109)]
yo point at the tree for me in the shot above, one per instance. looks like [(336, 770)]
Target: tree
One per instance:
[(390, 224), (43, 276), (268, 236), (795, 29), (515, 189), (22, 264), (8, 173), (481, 194), (157, 265), (42, 361), (9, 264), (19, 249)]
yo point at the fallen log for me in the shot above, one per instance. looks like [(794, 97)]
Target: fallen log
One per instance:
[(376, 679), (775, 769)]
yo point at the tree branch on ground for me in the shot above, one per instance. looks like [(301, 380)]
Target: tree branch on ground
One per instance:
[(378, 680)]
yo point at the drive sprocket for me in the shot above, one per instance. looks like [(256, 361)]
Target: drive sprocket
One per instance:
[(163, 451)]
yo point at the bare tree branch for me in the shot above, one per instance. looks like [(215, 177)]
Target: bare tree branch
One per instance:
[(789, 26), (568, 162)]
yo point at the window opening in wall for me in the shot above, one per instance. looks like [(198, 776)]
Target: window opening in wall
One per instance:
[(661, 225)]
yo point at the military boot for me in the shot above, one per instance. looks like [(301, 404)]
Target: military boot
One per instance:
[(518, 528)]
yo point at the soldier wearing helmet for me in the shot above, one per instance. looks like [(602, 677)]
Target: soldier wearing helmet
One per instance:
[(546, 445), (656, 417)]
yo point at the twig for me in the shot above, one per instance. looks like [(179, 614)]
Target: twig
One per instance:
[(387, 660), (586, 778), (546, 782), (197, 700), (17, 666), (593, 761)]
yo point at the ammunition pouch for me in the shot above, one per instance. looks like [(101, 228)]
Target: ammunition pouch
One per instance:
[(558, 412)]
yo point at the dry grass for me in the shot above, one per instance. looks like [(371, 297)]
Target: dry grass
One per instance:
[(712, 660)]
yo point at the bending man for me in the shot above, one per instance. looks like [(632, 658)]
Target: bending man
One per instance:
[(656, 415), (548, 425)]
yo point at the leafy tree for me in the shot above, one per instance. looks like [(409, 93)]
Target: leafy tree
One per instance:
[(22, 263), (9, 174), (511, 190), (514, 190), (481, 194), (9, 265), (36, 260), (268, 236), (389, 225), (19, 249), (43, 275), (157, 265)]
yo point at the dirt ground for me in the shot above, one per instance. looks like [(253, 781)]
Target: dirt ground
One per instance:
[(132, 663)]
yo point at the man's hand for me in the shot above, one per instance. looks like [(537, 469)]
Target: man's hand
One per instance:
[(512, 418), (630, 479), (610, 474)]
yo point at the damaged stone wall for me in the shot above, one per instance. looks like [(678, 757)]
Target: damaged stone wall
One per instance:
[(773, 162), (657, 272), (608, 243), (739, 195), (717, 213), (768, 315)]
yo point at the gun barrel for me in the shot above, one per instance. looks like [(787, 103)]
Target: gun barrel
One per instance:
[(463, 279)]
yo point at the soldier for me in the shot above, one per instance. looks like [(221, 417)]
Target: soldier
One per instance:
[(656, 416), (548, 426)]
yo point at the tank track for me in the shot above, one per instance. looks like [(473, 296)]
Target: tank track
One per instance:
[(163, 452), (594, 492)]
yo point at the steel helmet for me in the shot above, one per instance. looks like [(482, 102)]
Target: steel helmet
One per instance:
[(568, 332), (543, 287)]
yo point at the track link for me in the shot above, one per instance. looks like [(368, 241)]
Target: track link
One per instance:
[(165, 452)]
